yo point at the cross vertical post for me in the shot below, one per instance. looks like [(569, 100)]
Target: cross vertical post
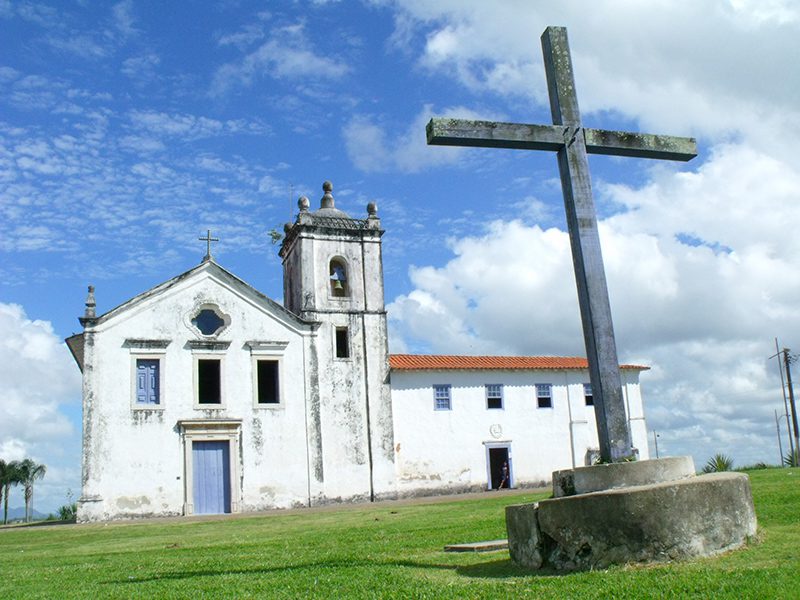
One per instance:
[(587, 257), (208, 239), (572, 142)]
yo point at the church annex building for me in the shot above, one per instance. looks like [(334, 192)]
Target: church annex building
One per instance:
[(202, 395)]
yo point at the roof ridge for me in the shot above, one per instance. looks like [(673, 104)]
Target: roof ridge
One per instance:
[(406, 361)]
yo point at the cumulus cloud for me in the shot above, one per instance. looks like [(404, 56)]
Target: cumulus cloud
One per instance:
[(666, 65), (373, 147), (40, 380)]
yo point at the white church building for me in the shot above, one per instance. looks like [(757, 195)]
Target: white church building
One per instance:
[(203, 395)]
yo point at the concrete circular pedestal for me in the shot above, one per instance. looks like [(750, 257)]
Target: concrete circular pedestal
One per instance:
[(675, 519)]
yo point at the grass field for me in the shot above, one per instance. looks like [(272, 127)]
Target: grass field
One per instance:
[(387, 550)]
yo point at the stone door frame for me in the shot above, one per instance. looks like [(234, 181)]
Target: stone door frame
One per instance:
[(210, 430)]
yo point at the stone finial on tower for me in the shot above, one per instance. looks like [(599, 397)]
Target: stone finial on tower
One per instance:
[(90, 313), (91, 305), (373, 221), (327, 197), (303, 204)]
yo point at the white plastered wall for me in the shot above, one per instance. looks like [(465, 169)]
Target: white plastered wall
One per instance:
[(134, 457), (445, 450)]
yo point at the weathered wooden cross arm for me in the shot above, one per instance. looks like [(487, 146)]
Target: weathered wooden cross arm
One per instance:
[(462, 132)]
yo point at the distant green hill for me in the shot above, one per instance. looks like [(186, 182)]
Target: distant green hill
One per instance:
[(18, 513)]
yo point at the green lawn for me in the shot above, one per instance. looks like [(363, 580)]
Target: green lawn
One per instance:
[(375, 551)]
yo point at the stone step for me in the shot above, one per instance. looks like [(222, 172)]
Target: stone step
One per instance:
[(490, 546)]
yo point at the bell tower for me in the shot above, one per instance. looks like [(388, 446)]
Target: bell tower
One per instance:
[(333, 275)]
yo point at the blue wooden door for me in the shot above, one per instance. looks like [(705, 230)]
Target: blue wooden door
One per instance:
[(147, 381), (211, 477)]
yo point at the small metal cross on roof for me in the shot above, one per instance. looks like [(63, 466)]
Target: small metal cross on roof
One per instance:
[(572, 142), (208, 239)]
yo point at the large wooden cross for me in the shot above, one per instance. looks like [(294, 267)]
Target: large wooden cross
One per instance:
[(572, 142)]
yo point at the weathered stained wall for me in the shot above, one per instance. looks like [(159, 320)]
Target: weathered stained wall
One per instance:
[(134, 456), (354, 396)]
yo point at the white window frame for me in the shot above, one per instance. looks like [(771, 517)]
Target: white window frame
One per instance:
[(273, 351), (442, 386), (541, 387), (502, 396), (196, 357)]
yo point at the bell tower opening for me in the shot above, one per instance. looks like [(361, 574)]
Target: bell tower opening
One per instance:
[(338, 277)]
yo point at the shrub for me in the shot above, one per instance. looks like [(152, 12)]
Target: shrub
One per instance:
[(67, 512), (717, 463)]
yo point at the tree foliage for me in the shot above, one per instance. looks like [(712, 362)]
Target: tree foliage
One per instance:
[(10, 475), (30, 472)]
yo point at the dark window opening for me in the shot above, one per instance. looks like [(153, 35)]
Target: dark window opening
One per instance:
[(209, 384), (587, 394), (342, 343), (208, 322), (268, 390)]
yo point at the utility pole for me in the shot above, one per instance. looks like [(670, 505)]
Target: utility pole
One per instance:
[(655, 441), (787, 360), (785, 404), (778, 428)]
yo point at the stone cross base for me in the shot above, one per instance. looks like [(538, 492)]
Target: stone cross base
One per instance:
[(682, 516)]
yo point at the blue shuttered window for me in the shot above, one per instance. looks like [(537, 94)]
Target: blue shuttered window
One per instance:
[(147, 381)]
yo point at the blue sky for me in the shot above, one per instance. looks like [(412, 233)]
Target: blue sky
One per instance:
[(129, 129)]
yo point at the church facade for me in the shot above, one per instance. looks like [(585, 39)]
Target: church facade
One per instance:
[(202, 395)]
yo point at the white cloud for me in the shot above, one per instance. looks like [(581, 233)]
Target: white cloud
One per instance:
[(373, 147), (273, 187), (670, 66), (123, 19), (141, 68), (287, 54), (40, 380), (188, 126)]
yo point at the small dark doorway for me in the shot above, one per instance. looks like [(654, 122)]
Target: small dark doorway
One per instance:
[(497, 458)]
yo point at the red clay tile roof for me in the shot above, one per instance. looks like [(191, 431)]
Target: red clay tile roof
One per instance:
[(433, 362)]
